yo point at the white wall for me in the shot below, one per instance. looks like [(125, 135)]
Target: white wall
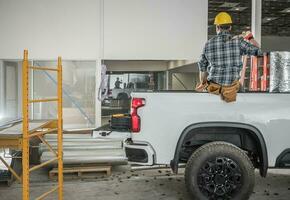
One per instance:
[(275, 43), (48, 28), (84, 29), (154, 29)]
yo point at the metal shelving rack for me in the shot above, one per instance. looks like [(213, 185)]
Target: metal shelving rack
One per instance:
[(52, 126)]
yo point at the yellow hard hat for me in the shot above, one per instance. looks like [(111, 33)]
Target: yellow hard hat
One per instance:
[(223, 18)]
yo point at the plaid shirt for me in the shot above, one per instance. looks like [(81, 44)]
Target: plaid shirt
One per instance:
[(222, 57)]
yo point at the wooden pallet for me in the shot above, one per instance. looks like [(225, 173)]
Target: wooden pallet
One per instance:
[(79, 171)]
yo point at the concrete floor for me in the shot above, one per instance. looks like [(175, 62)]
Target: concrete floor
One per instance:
[(141, 185)]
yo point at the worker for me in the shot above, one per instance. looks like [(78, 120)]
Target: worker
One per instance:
[(118, 83), (221, 60)]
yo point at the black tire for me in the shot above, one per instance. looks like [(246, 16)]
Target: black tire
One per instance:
[(219, 170)]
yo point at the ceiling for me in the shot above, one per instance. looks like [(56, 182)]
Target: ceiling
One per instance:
[(275, 15)]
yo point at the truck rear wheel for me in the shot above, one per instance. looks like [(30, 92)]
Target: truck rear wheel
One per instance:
[(219, 170)]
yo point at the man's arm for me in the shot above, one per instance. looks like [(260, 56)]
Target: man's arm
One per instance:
[(254, 42), (202, 64), (248, 36), (249, 46), (203, 77)]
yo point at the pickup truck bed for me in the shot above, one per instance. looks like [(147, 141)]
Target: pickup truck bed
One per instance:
[(166, 115), (176, 127)]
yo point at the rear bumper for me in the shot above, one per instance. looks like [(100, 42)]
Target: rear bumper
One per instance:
[(139, 153)]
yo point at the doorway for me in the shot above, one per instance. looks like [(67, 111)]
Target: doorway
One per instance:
[(10, 89)]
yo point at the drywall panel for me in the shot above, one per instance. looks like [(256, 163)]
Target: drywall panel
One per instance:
[(154, 29), (50, 28)]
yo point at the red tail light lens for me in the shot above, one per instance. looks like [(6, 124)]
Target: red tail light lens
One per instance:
[(138, 102), (136, 123), (135, 119)]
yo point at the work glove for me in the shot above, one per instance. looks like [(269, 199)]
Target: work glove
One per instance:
[(247, 35)]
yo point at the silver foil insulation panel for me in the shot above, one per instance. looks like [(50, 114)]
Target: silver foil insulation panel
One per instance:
[(280, 71)]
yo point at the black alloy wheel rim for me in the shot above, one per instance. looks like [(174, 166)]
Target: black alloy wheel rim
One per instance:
[(219, 178)]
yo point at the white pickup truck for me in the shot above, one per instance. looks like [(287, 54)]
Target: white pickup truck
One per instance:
[(221, 143)]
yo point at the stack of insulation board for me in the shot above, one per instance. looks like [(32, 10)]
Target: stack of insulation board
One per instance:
[(280, 71), (81, 149), (4, 173)]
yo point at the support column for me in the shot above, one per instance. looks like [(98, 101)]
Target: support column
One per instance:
[(257, 19), (98, 103), (168, 80), (32, 93), (100, 57), (2, 85)]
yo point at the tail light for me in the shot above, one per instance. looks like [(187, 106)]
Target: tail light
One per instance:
[(135, 118)]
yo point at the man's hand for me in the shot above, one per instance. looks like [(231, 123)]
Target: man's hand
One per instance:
[(248, 35), (200, 87), (203, 77)]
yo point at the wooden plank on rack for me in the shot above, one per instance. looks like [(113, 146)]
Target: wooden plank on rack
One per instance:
[(15, 132)]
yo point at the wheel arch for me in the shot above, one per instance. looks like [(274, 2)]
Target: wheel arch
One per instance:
[(255, 133)]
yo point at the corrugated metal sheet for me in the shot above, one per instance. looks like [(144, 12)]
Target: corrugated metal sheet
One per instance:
[(85, 149)]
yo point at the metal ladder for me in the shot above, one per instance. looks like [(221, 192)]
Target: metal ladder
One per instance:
[(256, 82)]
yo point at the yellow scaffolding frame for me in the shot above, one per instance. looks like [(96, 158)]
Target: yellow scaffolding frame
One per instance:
[(56, 125)]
